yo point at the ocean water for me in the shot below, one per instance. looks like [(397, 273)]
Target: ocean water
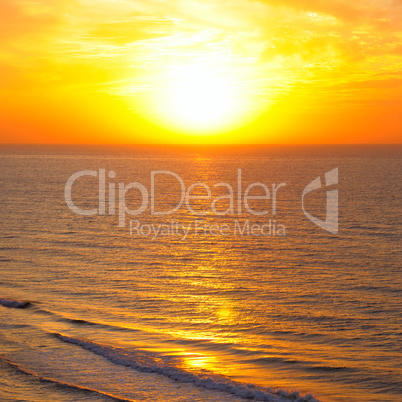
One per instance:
[(254, 302)]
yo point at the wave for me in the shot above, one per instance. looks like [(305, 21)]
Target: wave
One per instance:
[(152, 363), (304, 365), (59, 317), (62, 383), (80, 321), (376, 288), (15, 303)]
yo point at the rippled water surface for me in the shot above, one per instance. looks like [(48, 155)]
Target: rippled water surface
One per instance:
[(136, 314)]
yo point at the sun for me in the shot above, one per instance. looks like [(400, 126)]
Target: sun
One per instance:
[(201, 100)]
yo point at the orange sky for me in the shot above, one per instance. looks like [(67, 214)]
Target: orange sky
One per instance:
[(189, 71)]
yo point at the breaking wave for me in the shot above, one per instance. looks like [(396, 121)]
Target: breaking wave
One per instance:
[(152, 363)]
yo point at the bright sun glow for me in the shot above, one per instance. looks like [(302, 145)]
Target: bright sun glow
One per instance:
[(202, 100)]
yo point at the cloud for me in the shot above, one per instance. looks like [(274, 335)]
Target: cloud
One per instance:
[(132, 29), (389, 83), (27, 19), (344, 9)]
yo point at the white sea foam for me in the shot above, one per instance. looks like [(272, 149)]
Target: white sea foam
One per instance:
[(147, 362)]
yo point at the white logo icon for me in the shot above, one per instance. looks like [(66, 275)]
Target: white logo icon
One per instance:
[(330, 224)]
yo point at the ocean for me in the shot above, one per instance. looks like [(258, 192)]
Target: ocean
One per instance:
[(216, 275)]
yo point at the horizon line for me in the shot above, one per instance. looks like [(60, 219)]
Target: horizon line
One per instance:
[(196, 144)]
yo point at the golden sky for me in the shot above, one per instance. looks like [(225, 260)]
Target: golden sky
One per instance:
[(188, 71)]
